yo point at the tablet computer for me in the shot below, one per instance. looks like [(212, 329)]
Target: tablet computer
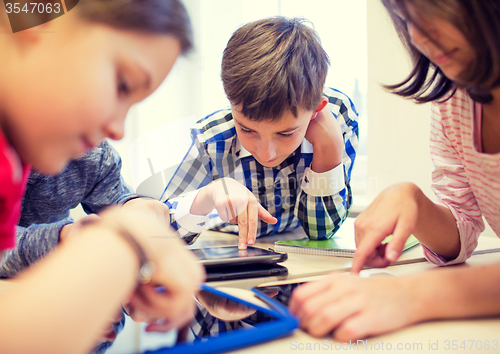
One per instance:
[(245, 271), (279, 293), (226, 322), (231, 255)]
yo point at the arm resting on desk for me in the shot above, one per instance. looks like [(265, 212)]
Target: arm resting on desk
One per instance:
[(355, 308)]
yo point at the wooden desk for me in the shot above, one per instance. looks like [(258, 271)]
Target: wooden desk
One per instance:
[(432, 337)]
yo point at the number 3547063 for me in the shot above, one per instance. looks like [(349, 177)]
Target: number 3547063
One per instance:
[(33, 7)]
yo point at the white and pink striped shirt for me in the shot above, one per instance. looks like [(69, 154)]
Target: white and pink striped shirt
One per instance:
[(464, 179)]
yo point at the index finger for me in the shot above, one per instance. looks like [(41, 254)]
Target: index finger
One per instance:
[(397, 243), (369, 243), (266, 216), (242, 229), (253, 221)]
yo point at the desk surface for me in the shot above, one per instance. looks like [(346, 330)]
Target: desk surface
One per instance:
[(433, 337)]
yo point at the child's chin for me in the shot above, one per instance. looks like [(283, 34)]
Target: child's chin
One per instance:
[(52, 168), (271, 164)]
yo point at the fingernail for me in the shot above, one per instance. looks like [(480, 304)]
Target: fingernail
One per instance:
[(392, 256), (242, 246), (251, 242)]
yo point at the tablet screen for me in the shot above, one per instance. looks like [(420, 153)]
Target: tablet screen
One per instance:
[(217, 256), (279, 293), (216, 314)]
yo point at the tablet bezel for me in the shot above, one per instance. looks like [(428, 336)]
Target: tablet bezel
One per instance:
[(283, 324)]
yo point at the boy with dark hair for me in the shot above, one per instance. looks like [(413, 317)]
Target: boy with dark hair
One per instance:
[(284, 151)]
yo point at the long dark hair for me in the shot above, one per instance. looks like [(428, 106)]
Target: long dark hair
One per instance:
[(154, 16), (479, 22)]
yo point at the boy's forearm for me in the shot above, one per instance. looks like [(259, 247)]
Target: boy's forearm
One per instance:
[(327, 154)]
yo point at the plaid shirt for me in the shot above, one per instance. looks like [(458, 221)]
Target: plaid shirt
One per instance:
[(291, 191)]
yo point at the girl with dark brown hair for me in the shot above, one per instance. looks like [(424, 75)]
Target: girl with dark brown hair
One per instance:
[(455, 49)]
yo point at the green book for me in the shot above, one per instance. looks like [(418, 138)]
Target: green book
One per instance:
[(336, 246)]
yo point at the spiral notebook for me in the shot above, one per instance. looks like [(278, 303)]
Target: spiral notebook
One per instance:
[(336, 246)]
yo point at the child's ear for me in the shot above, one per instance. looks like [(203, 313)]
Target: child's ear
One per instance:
[(32, 34), (26, 39), (322, 104), (29, 36)]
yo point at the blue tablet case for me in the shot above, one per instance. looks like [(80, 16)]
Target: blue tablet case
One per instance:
[(284, 323)]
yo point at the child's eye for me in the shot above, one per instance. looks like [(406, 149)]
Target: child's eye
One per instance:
[(287, 135), (246, 131), (123, 88)]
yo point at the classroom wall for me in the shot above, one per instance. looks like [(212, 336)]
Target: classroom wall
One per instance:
[(398, 131)]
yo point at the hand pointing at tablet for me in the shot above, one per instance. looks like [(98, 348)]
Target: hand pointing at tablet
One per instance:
[(235, 204)]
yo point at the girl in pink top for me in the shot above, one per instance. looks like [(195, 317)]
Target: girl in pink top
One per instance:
[(65, 86), (455, 49)]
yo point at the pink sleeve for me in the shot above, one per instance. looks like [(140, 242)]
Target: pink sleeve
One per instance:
[(450, 183)]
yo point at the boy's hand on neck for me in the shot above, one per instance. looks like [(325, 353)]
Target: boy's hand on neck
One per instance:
[(325, 135)]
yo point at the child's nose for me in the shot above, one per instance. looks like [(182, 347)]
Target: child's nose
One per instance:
[(115, 129), (419, 38), (268, 151)]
